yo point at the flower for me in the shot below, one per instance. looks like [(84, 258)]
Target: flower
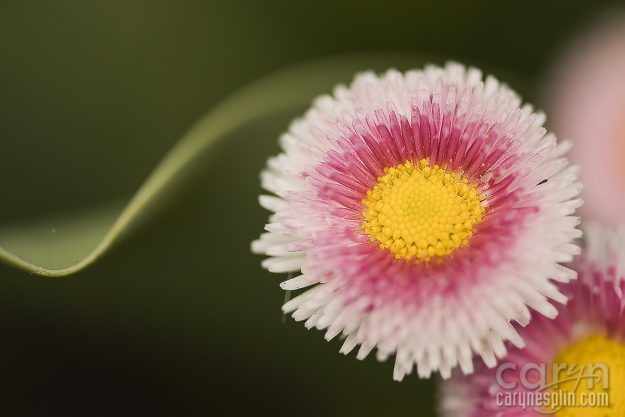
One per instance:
[(573, 366), (586, 100), (427, 210)]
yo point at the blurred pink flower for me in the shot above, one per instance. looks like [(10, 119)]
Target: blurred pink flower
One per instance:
[(586, 102), (581, 352)]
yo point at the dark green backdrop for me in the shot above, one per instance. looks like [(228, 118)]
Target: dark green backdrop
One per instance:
[(180, 319)]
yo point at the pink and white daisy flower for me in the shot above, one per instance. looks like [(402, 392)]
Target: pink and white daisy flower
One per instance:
[(586, 99), (573, 366), (427, 210)]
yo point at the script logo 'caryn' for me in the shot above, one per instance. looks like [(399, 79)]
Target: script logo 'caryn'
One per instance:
[(550, 388)]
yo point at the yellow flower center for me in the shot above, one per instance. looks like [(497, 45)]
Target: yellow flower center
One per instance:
[(421, 212), (592, 375)]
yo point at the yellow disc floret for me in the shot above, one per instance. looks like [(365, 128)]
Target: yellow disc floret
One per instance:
[(421, 212), (590, 378)]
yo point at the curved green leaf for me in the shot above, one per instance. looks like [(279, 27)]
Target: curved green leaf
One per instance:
[(64, 244)]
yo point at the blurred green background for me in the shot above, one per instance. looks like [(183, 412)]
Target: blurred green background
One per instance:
[(180, 319)]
